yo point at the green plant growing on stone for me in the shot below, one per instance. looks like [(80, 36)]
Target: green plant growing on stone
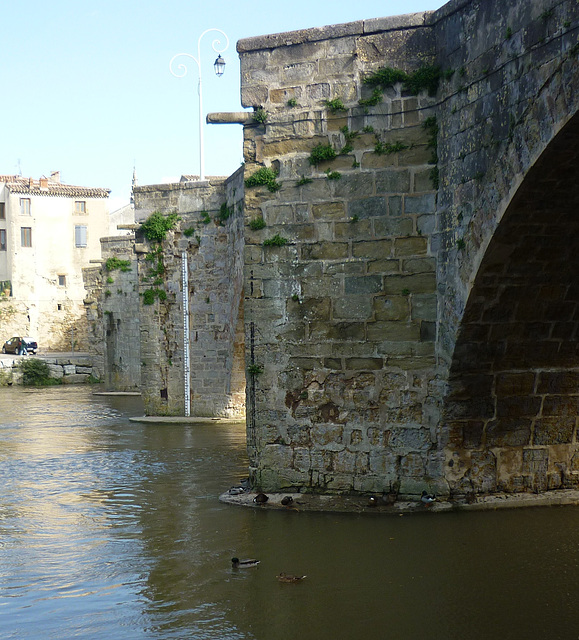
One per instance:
[(508, 33), (405, 292), (376, 98), (108, 293), (547, 15), (110, 280), (425, 78), (265, 176), (333, 175), (303, 180), (355, 164), (260, 115), (254, 369), (257, 223), (225, 213), (566, 24), (386, 148), (188, 232), (205, 217), (368, 129), (355, 218), (150, 295), (336, 105), (479, 175), (292, 102), (321, 153), (460, 244), (157, 225), (295, 297), (116, 263), (448, 73), (36, 373), (276, 241), (462, 72)]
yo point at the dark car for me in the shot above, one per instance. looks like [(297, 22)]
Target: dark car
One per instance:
[(20, 345)]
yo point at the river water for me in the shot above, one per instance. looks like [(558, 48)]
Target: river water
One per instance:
[(113, 529)]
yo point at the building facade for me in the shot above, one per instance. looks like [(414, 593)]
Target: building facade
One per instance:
[(49, 231)]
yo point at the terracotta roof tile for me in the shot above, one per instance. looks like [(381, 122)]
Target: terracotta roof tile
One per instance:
[(18, 184)]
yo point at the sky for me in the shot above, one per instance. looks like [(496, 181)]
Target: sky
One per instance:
[(87, 91)]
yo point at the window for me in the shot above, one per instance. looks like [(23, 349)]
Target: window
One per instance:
[(2, 211), (26, 236), (2, 239), (25, 206), (62, 281), (80, 207), (80, 235)]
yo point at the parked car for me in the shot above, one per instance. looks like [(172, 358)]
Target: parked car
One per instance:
[(20, 345)]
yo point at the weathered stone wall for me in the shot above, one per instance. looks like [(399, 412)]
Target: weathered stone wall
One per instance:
[(403, 338), (68, 369), (340, 320), (504, 241), (210, 232), (113, 310)]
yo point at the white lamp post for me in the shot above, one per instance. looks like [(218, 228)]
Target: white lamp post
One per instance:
[(219, 66)]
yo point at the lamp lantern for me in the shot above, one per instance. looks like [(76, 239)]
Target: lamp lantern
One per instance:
[(219, 66)]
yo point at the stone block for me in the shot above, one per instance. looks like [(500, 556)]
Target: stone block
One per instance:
[(329, 211), (75, 378), (393, 181), (364, 364), (416, 246), (418, 283), (372, 160), (354, 229), (424, 203), (551, 431), (387, 226), (281, 96), (364, 284), (509, 432), (379, 249), (328, 436), (384, 267), (406, 440), (325, 251), (353, 307), (393, 308), (356, 185)]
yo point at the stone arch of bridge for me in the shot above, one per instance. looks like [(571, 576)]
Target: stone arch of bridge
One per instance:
[(511, 413)]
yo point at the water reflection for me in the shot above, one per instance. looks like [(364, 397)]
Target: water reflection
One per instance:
[(112, 529)]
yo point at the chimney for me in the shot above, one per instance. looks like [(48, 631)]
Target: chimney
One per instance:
[(55, 176), (30, 183), (43, 182)]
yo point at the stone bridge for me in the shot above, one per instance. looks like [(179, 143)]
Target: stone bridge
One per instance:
[(411, 256)]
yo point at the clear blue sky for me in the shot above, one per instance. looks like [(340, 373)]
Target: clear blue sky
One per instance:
[(86, 87)]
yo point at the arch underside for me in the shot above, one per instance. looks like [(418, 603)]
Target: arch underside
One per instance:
[(511, 415)]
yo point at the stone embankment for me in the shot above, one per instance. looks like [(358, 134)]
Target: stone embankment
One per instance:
[(70, 369), (363, 504)]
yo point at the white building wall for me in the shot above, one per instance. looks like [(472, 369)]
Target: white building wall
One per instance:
[(53, 311)]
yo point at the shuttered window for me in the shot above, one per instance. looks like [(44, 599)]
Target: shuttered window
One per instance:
[(80, 235)]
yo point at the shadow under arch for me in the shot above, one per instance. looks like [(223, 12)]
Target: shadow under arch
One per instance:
[(511, 413)]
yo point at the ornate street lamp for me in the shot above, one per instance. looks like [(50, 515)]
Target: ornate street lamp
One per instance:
[(219, 66)]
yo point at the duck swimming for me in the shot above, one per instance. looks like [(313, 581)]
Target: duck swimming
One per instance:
[(427, 498), (243, 564), (288, 578)]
